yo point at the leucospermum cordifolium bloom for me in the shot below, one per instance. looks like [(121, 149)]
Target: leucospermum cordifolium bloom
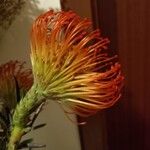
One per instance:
[(71, 64), (14, 74), (15, 81)]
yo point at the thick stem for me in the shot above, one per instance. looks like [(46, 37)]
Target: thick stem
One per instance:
[(15, 137), (22, 112)]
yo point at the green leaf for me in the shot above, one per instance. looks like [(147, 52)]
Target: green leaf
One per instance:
[(17, 90), (2, 144), (39, 126), (24, 144)]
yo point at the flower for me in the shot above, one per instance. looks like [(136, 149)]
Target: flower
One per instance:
[(13, 74), (71, 64)]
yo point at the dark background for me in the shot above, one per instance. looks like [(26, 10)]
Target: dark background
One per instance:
[(125, 126)]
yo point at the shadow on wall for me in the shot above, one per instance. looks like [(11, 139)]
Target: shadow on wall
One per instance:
[(15, 38)]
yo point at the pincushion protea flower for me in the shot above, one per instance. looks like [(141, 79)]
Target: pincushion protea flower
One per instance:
[(13, 73), (15, 81), (71, 65)]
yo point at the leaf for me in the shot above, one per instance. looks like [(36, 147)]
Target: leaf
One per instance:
[(24, 144), (35, 145), (39, 126), (4, 120), (35, 112), (2, 144), (17, 90)]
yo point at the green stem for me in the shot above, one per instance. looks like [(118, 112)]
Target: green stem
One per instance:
[(21, 114), (15, 137)]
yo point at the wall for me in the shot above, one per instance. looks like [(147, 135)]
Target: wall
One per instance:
[(131, 121), (83, 8), (59, 132), (128, 122)]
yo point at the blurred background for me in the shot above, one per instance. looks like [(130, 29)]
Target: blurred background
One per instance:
[(126, 126)]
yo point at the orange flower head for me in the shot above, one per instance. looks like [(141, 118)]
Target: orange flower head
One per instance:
[(13, 74), (71, 63)]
